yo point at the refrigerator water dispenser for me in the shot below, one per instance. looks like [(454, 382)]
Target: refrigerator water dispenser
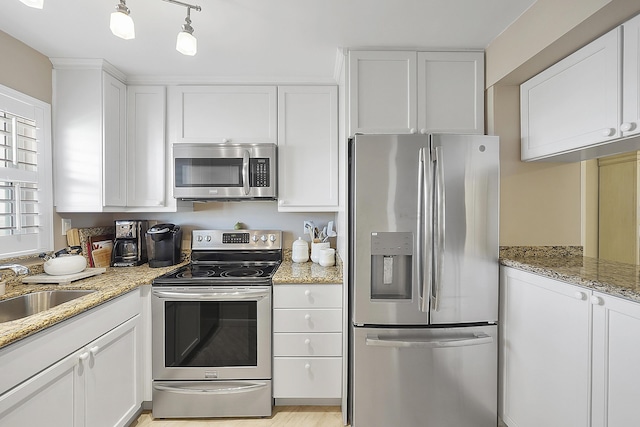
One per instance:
[(391, 257)]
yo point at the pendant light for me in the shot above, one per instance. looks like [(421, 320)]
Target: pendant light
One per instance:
[(186, 43), (38, 4), (121, 23)]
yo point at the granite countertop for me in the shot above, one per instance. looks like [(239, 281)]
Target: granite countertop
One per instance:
[(114, 282), (291, 272), (568, 265)]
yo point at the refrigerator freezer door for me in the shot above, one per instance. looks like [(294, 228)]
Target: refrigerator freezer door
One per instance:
[(389, 184), (466, 192), (424, 377)]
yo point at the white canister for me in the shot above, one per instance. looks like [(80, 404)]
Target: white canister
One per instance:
[(315, 250), (300, 250), (327, 257)]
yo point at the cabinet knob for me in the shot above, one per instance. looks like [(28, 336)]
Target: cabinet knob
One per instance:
[(608, 132), (225, 140), (412, 130), (307, 316), (579, 296), (281, 202), (596, 300), (628, 126), (307, 341), (423, 131), (94, 350), (84, 356), (307, 292)]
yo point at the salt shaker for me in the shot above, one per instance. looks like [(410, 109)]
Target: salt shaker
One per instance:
[(300, 250)]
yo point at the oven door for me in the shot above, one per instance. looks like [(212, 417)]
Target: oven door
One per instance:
[(209, 333)]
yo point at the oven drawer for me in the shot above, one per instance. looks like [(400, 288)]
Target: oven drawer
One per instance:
[(304, 344), (307, 377), (307, 296), (305, 320)]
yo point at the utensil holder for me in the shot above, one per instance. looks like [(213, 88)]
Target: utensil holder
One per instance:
[(315, 250)]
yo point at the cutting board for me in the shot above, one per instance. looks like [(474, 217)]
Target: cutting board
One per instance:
[(64, 279)]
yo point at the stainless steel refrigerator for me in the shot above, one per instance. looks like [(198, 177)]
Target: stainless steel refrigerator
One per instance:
[(423, 276)]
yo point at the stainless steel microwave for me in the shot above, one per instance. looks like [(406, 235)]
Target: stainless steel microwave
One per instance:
[(225, 171)]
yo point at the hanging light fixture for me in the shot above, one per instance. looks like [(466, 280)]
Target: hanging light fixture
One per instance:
[(186, 43), (121, 23), (38, 4)]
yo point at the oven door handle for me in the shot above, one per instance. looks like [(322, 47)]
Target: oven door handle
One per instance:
[(214, 388), (209, 296)]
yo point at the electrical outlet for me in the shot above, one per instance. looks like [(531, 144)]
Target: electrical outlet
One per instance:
[(308, 227), (66, 226)]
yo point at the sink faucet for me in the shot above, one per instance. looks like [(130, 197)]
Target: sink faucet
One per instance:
[(17, 268)]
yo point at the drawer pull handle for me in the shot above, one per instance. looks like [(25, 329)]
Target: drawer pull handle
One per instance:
[(307, 341), (307, 316), (578, 296), (307, 366), (307, 292)]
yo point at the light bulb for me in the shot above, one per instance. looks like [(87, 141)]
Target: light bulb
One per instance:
[(186, 43), (38, 4), (121, 24)]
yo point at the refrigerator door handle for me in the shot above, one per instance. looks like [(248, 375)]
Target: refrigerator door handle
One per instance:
[(423, 250), (439, 228), (398, 342)]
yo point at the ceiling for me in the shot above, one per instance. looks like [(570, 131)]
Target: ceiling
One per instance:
[(254, 40)]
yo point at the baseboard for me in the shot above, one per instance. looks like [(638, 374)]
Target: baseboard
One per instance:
[(308, 402)]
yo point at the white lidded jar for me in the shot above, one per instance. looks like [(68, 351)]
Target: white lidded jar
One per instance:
[(300, 250)]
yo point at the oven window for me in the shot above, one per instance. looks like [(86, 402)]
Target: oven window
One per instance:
[(210, 334), (225, 172)]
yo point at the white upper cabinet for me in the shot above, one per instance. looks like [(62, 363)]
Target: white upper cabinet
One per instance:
[(147, 156), (416, 92), (631, 78), (574, 103), (451, 92), (382, 92), (110, 151), (307, 148), (217, 113)]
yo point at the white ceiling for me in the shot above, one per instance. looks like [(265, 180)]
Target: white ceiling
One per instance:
[(254, 40)]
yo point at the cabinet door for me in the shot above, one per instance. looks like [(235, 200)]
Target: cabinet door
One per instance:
[(616, 372), (631, 78), (112, 377), (47, 399), (145, 146), (382, 92), (451, 92), (243, 114), (545, 345), (307, 148), (114, 174), (574, 103)]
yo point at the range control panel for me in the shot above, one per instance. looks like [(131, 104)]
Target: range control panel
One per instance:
[(236, 239)]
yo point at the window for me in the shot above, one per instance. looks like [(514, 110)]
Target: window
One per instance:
[(25, 175)]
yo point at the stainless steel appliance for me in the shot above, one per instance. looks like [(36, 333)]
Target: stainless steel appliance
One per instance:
[(211, 327), (164, 245), (225, 171), (129, 245), (423, 271)]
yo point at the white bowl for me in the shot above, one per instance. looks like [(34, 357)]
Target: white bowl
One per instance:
[(65, 264)]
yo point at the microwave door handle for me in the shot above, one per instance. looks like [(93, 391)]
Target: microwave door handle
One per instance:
[(245, 172)]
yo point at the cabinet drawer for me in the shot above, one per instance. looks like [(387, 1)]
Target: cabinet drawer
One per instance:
[(312, 296), (304, 320), (303, 344), (304, 377)]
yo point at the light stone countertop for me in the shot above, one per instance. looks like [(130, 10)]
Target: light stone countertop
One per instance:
[(309, 272), (116, 281), (568, 265)]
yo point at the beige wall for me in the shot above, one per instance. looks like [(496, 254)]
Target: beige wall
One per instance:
[(540, 202), (24, 69)]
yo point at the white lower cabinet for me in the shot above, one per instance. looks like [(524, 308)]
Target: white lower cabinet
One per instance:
[(568, 354), (98, 384), (307, 341)]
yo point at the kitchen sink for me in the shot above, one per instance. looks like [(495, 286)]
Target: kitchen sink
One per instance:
[(28, 304)]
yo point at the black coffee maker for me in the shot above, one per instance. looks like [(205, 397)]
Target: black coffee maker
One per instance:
[(129, 245), (164, 245)]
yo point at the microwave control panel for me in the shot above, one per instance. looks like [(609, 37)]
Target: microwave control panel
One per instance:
[(259, 172)]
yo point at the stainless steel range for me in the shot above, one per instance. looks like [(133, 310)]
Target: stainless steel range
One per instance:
[(211, 327)]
